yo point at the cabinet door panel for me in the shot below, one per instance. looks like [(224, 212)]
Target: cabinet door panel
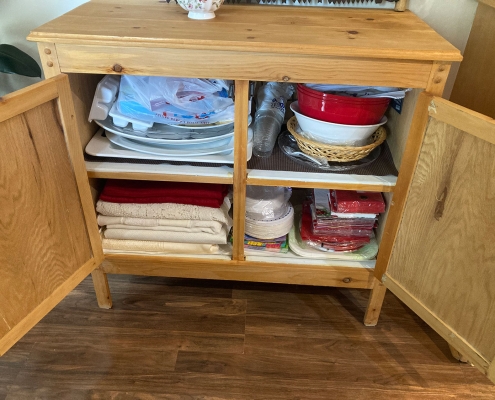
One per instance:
[(48, 233), (442, 263)]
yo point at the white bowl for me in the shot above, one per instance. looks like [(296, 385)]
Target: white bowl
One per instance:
[(336, 134), (200, 9)]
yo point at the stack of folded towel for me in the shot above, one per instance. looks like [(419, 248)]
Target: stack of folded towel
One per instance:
[(165, 217)]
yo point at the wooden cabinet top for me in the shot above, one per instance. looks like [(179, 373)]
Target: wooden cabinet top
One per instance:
[(383, 34)]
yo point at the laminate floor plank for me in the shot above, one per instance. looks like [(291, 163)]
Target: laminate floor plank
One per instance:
[(220, 386), (346, 348), (177, 339), (162, 313), (148, 339)]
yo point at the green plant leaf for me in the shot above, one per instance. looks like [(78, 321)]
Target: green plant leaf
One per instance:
[(15, 61)]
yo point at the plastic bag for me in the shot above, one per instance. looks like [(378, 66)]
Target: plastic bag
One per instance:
[(172, 100), (267, 202), (360, 91)]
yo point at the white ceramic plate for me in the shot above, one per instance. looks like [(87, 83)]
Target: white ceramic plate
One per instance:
[(175, 137), (100, 146), (161, 151)]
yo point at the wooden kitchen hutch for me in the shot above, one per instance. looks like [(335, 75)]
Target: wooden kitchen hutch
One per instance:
[(435, 251)]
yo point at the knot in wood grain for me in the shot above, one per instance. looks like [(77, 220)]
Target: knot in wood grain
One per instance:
[(346, 280), (117, 68), (286, 78)]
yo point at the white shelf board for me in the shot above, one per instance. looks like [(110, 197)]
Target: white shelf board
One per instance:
[(294, 259), (321, 178), (223, 172)]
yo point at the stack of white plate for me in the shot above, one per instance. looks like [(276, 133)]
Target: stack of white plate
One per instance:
[(271, 228), (123, 135), (269, 214)]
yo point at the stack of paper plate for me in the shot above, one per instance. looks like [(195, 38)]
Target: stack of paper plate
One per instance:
[(272, 228)]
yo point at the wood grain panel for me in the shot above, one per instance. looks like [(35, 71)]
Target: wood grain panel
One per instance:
[(83, 88), (443, 255), (474, 87), (25, 99), (245, 28), (464, 119), (243, 65), (372, 19), (240, 167), (45, 246), (241, 270)]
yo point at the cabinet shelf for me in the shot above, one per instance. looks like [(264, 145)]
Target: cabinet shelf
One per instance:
[(158, 171), (279, 170)]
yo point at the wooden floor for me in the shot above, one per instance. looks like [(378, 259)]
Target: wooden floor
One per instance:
[(182, 339)]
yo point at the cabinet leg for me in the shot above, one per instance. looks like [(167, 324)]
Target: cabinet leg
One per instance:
[(102, 289), (458, 356), (375, 303)]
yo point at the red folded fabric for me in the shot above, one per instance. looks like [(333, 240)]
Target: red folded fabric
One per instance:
[(142, 192)]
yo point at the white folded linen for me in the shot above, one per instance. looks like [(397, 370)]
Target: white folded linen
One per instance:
[(160, 247), (173, 224), (167, 236), (164, 228), (167, 211)]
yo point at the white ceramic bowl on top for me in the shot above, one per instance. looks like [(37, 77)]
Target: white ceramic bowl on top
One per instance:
[(336, 134), (200, 9)]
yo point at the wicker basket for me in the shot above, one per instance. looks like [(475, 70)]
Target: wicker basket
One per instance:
[(336, 153)]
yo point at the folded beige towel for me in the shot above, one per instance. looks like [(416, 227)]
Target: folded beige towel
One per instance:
[(167, 211), (173, 224), (168, 236), (164, 228), (161, 247)]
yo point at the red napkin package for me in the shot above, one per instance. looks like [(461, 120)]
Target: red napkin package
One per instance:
[(350, 201)]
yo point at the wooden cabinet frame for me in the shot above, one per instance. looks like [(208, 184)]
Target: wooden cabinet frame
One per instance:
[(367, 48), (83, 54)]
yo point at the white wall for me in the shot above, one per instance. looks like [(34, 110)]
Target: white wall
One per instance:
[(451, 18), (17, 19)]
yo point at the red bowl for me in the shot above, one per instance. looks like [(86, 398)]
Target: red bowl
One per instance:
[(341, 109)]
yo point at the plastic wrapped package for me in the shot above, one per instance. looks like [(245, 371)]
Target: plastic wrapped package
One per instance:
[(270, 228), (350, 201), (330, 241), (301, 248), (172, 100), (277, 245), (333, 222), (347, 203), (267, 202), (360, 91)]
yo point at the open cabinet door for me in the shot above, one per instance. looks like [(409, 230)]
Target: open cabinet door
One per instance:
[(442, 262), (48, 233)]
